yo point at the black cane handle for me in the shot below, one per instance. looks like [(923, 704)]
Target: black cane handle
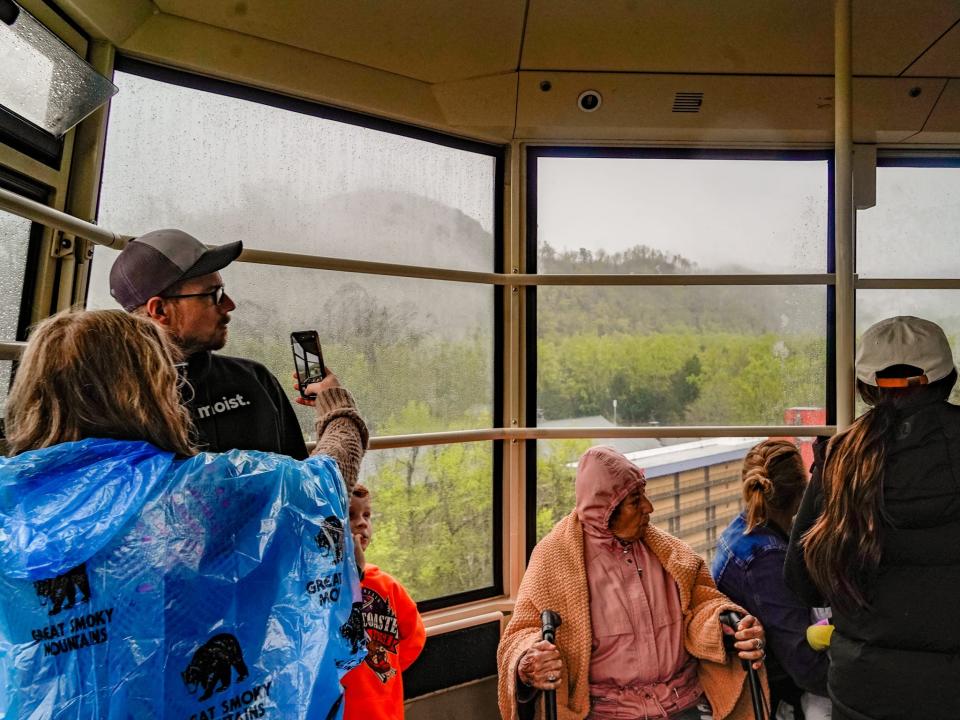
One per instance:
[(732, 619), (549, 622)]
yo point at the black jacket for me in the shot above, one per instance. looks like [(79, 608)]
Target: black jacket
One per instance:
[(238, 404), (900, 657)]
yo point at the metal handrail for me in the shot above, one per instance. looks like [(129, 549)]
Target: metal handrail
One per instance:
[(587, 433), (11, 350), (48, 216)]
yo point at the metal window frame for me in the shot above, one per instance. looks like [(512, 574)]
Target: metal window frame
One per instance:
[(27, 188)]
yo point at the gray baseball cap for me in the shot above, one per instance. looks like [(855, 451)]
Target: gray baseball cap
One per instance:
[(156, 260), (904, 340)]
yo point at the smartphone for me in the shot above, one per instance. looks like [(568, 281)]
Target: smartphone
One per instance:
[(307, 359)]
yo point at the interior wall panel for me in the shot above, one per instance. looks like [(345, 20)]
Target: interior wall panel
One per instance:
[(734, 108)]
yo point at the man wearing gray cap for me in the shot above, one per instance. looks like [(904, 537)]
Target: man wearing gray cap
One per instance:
[(174, 279)]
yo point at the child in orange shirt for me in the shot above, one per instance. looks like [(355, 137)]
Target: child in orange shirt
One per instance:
[(395, 635)]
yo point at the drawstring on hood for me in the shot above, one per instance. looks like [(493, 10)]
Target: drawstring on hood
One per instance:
[(604, 478)]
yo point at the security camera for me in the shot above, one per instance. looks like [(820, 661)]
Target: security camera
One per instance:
[(589, 100)]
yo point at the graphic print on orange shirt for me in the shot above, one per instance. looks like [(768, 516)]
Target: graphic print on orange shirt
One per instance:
[(383, 636)]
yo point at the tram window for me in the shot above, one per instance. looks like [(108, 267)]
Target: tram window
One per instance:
[(226, 168), (419, 355), (679, 355), (912, 230), (663, 214), (694, 484), (14, 247), (434, 526)]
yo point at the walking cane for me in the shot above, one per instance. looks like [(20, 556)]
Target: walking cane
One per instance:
[(732, 620), (549, 622)]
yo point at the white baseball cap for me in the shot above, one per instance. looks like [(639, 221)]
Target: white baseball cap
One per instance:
[(904, 340)]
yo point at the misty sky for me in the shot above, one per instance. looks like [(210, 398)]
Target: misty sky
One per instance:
[(764, 215)]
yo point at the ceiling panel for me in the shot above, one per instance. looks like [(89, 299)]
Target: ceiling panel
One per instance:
[(640, 107), (734, 36), (943, 126), (733, 108), (431, 40), (942, 60)]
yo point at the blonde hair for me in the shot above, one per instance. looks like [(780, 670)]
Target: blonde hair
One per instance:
[(100, 373), (773, 478)]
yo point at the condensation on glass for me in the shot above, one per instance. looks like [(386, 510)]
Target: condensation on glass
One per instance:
[(433, 516), (913, 229), (704, 355), (227, 169), (44, 81), (681, 215), (694, 484), (14, 244)]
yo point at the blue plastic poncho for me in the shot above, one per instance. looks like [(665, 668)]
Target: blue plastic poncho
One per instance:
[(134, 585)]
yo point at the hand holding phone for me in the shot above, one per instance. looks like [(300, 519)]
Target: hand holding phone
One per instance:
[(307, 359)]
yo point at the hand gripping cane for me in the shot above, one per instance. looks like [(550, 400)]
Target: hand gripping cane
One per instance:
[(732, 620), (549, 622)]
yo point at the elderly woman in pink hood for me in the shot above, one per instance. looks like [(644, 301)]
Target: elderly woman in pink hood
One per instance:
[(641, 634)]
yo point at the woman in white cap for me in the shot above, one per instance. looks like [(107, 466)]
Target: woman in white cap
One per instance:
[(878, 533)]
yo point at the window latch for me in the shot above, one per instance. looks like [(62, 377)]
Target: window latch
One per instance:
[(64, 244)]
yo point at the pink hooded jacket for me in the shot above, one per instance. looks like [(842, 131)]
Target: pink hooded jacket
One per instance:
[(556, 578), (638, 664)]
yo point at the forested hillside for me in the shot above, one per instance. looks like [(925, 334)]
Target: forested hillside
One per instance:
[(422, 362)]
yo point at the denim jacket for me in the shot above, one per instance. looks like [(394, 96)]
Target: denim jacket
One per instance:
[(748, 568)]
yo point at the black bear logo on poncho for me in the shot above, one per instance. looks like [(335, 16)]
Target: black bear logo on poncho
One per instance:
[(330, 538), (352, 629), (61, 590), (212, 664)]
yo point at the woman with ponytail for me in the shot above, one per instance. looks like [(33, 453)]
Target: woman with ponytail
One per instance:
[(877, 535), (748, 568)]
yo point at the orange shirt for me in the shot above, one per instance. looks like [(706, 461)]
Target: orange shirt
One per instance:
[(395, 636)]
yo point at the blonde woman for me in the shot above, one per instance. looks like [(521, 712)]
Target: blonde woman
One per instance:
[(139, 578), (748, 568)]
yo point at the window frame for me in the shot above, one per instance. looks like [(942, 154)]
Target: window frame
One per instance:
[(220, 87), (533, 154), (28, 188)]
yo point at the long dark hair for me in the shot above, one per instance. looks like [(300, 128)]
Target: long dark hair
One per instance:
[(842, 549)]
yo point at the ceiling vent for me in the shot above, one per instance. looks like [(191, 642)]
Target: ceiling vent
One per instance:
[(687, 102)]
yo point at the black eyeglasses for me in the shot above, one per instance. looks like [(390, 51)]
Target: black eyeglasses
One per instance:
[(217, 294)]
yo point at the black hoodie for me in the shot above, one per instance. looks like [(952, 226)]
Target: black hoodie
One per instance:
[(238, 404)]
